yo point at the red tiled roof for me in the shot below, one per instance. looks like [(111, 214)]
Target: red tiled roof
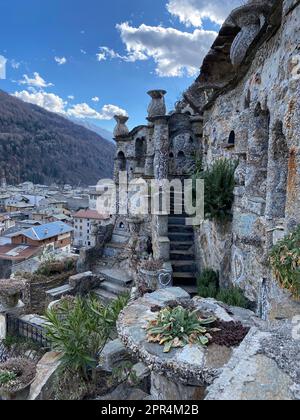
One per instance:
[(90, 214), (15, 252)]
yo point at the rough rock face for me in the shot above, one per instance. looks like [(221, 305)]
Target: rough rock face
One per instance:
[(249, 91), (265, 367)]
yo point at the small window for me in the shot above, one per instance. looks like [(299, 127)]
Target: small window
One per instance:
[(231, 140), (181, 155), (171, 155), (121, 225)]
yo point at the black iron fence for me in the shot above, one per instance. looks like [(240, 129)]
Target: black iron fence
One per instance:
[(20, 328)]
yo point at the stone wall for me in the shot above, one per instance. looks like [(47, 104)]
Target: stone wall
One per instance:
[(261, 115)]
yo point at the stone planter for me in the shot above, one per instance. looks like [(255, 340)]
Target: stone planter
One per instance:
[(10, 292), (25, 374), (19, 395), (10, 301), (151, 278)]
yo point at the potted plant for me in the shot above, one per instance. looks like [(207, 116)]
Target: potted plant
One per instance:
[(16, 376), (149, 273), (10, 292)]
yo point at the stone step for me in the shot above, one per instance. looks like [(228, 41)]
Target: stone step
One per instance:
[(116, 276), (182, 255), (192, 290), (181, 229), (181, 237), (113, 288), (181, 279), (59, 292), (184, 267), (105, 296), (117, 238), (181, 245), (176, 220), (113, 249)]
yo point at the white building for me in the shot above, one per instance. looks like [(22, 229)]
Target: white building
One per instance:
[(85, 227)]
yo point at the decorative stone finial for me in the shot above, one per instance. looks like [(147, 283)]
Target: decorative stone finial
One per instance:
[(250, 18), (121, 127), (157, 107)]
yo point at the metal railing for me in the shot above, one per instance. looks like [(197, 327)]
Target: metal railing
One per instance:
[(20, 328)]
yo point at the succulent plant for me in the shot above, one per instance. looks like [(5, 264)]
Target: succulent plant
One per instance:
[(175, 328)]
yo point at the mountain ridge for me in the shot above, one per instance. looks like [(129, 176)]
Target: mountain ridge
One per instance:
[(43, 147)]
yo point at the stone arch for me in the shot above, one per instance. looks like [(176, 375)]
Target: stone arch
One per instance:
[(247, 99), (140, 152), (257, 154), (121, 161), (277, 172)]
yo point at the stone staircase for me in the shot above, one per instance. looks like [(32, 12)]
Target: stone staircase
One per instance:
[(116, 246), (182, 252), (116, 282)]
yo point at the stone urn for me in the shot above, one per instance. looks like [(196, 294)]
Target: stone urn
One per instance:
[(157, 107), (149, 272), (23, 374), (10, 292), (121, 129)]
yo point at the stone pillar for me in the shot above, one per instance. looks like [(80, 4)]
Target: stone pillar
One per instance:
[(157, 115), (121, 134)]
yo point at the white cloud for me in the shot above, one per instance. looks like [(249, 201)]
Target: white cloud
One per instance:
[(132, 56), (37, 81), (49, 101), (15, 64), (60, 60), (106, 53), (71, 97), (193, 12), (83, 52), (3, 62), (83, 111), (95, 99), (175, 53)]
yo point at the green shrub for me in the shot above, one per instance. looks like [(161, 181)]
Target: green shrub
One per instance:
[(6, 377), (208, 284), (208, 287), (233, 296), (285, 262), (219, 184), (80, 331)]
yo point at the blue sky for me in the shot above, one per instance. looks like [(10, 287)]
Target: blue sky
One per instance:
[(92, 58)]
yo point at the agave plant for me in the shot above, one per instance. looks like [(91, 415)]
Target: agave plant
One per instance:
[(175, 328)]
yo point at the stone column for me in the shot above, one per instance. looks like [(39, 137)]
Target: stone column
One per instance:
[(157, 115), (121, 134)]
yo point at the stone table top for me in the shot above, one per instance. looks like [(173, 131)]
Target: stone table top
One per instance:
[(191, 365)]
